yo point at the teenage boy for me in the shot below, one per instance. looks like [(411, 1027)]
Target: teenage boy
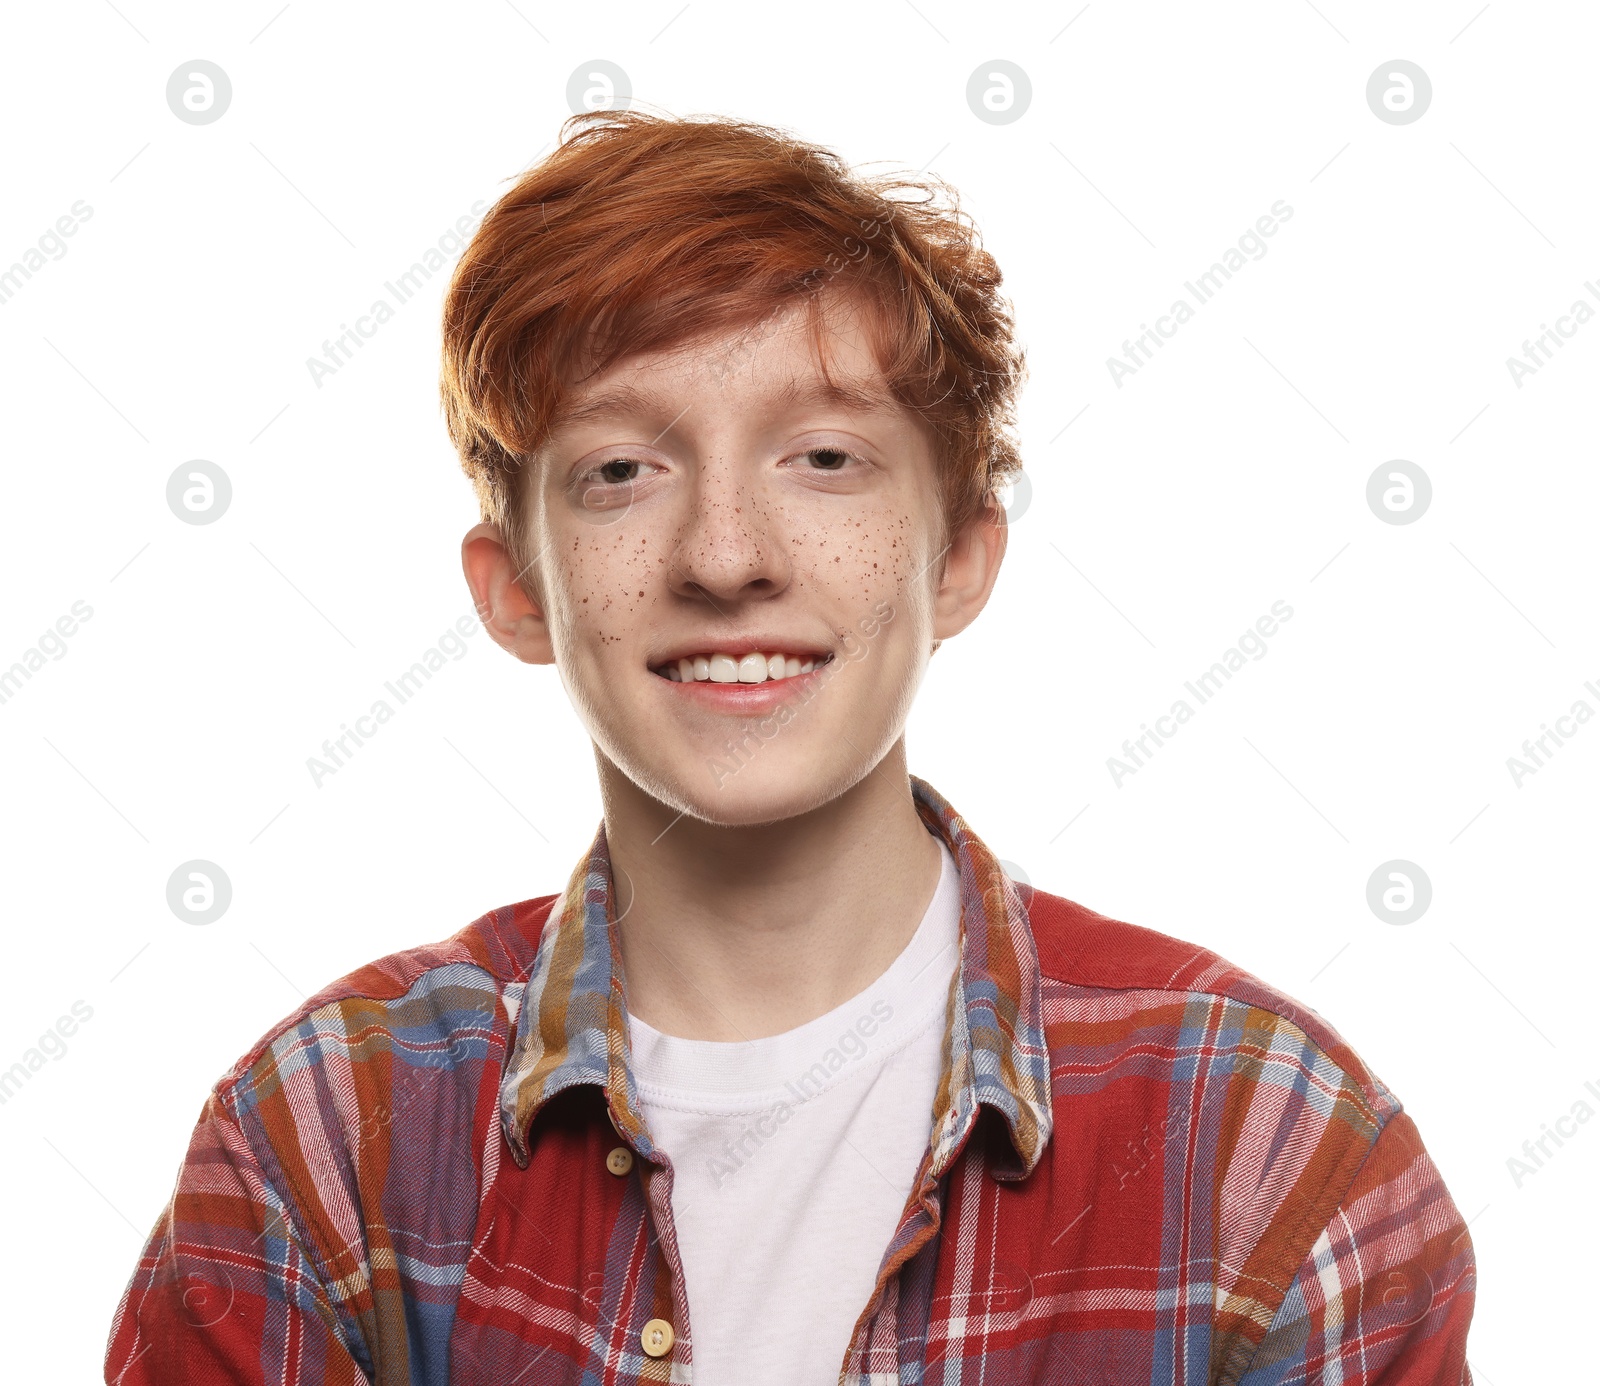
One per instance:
[(791, 1084)]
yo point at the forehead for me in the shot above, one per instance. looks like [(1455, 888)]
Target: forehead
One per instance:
[(775, 364)]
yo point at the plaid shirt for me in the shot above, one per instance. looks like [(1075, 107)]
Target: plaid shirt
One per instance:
[(1144, 1166)]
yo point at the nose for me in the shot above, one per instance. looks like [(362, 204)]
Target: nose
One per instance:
[(731, 548)]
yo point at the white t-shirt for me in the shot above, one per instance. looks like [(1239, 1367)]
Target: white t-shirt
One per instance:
[(793, 1157)]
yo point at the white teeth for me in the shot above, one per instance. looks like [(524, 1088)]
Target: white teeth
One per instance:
[(754, 667)]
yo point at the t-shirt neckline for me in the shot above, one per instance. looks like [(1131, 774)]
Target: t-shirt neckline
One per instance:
[(857, 1033)]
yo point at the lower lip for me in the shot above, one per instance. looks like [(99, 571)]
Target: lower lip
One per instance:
[(744, 697)]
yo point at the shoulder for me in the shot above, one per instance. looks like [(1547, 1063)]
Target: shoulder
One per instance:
[(360, 1119), (1211, 1097), (434, 1005), (1124, 979), (1202, 1108)]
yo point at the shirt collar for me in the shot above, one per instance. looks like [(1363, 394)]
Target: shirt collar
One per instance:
[(571, 1026)]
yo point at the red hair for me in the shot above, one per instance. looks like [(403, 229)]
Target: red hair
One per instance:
[(641, 233)]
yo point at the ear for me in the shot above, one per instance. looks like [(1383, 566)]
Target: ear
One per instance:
[(970, 568), (512, 618)]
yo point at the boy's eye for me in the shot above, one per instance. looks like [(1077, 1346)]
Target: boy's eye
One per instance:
[(616, 470), (829, 459)]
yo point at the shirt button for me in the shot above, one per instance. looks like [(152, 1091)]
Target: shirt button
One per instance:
[(656, 1339), (619, 1162)]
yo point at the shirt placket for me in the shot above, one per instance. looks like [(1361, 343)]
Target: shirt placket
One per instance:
[(876, 1346), (875, 1351), (663, 1341)]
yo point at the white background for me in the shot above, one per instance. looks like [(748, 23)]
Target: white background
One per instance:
[(1166, 515)]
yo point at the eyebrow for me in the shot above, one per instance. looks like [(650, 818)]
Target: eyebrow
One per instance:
[(629, 399)]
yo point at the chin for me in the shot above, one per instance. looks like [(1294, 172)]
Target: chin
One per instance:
[(769, 787)]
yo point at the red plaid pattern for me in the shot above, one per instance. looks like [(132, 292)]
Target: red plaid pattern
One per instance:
[(1144, 1166)]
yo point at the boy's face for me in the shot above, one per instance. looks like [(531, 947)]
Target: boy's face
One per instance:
[(705, 502)]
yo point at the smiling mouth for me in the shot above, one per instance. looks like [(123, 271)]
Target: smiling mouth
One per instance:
[(752, 668)]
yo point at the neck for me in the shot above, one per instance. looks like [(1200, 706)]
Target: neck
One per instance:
[(730, 933)]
